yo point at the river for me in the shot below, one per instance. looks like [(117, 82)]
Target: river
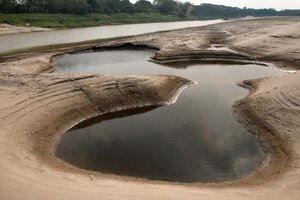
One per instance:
[(20, 41)]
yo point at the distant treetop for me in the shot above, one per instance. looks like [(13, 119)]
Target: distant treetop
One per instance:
[(165, 7)]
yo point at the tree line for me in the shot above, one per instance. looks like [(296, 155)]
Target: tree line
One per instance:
[(169, 7), (210, 11), (166, 7)]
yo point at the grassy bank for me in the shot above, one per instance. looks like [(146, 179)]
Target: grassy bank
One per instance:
[(73, 21)]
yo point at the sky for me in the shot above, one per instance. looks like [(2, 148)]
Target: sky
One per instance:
[(276, 4)]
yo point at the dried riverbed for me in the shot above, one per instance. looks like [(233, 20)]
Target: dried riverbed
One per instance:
[(37, 107), (195, 140)]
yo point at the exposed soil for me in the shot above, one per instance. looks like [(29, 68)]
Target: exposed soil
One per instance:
[(8, 29), (38, 106)]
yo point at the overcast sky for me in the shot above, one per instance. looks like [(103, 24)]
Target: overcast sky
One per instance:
[(277, 4)]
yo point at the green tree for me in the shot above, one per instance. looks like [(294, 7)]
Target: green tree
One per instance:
[(7, 6), (144, 6), (95, 5), (127, 7), (56, 6), (167, 6), (80, 7), (186, 8)]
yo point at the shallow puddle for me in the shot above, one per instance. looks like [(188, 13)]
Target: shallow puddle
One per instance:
[(197, 139)]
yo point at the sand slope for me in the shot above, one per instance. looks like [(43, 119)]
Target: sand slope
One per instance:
[(9, 29)]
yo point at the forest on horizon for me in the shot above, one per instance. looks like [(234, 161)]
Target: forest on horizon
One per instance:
[(83, 13), (164, 7)]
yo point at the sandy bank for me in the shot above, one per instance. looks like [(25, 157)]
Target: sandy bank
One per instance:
[(36, 107), (9, 29)]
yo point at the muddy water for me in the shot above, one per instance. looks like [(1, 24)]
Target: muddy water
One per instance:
[(196, 139), (14, 42)]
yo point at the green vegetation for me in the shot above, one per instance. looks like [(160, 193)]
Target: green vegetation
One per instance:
[(73, 21), (79, 13), (82, 7), (210, 11)]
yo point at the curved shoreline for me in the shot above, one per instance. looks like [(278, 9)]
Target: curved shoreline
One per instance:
[(235, 58), (268, 165), (74, 97)]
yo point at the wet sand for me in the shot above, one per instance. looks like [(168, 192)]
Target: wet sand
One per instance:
[(37, 106)]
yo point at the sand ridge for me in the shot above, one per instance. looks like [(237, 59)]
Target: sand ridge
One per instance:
[(9, 29)]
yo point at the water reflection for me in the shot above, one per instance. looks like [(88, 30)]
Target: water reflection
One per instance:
[(195, 140)]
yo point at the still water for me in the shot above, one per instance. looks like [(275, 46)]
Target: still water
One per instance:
[(196, 139), (13, 42)]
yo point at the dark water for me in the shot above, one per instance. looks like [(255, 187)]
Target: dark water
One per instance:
[(196, 139), (13, 42)]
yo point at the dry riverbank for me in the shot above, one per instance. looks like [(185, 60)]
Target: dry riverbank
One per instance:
[(9, 29), (37, 106)]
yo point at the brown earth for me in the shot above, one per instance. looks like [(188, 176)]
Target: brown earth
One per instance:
[(8, 29), (38, 106)]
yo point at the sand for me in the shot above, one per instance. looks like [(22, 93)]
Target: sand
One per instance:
[(9, 29), (38, 106)]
